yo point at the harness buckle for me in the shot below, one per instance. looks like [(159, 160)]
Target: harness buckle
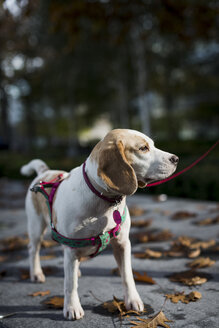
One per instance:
[(35, 188)]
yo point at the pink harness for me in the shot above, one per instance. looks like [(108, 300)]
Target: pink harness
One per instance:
[(102, 240)]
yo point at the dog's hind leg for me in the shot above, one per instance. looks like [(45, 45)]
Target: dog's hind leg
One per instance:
[(36, 228)]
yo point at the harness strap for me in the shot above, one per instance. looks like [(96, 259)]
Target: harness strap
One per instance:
[(101, 241)]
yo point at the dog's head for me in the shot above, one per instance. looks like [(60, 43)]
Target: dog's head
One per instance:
[(127, 159)]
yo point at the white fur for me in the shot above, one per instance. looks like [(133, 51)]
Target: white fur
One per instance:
[(35, 165), (81, 214)]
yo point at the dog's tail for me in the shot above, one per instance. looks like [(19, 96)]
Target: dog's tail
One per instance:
[(36, 165)]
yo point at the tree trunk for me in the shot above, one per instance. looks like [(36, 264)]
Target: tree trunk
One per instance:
[(30, 128), (141, 80), (5, 133)]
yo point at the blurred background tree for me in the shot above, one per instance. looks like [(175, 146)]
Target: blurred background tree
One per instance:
[(72, 70)]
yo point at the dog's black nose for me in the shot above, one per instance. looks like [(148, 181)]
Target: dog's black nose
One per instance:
[(174, 159)]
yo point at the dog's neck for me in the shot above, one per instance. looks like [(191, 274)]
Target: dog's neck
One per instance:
[(96, 181)]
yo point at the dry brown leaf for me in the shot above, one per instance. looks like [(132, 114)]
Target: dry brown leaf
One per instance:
[(189, 278), (118, 306), (3, 258), (136, 211), (187, 246), (14, 243), (175, 253), (144, 237), (48, 243), (201, 262), (208, 221), (56, 302), (215, 249), (47, 257), (149, 253), (194, 253), (185, 241), (41, 293), (141, 223), (180, 296), (194, 296), (183, 215), (143, 278), (158, 319), (24, 274), (161, 236), (153, 254), (203, 244), (137, 276)]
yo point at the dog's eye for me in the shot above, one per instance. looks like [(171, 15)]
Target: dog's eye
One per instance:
[(144, 148)]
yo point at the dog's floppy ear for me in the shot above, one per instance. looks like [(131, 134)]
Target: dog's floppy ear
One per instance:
[(115, 170)]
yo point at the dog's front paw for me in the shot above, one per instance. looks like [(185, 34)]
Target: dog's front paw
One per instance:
[(73, 312), (134, 302)]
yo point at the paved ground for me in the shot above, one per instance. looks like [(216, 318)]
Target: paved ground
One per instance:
[(98, 284)]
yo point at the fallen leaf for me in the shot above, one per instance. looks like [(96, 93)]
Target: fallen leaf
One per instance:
[(153, 254), (194, 253), (183, 215), (203, 244), (48, 243), (145, 237), (201, 262), (161, 236), (149, 253), (137, 276), (47, 257), (158, 320), (187, 246), (143, 278), (14, 243), (3, 258), (136, 211), (204, 222), (56, 302), (141, 223), (118, 306), (189, 278), (194, 296), (215, 249), (180, 296), (24, 274), (175, 253), (41, 293)]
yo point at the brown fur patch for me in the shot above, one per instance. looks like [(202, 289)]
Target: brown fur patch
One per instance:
[(39, 201), (113, 166)]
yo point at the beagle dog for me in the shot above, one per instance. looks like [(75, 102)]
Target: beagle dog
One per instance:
[(120, 163)]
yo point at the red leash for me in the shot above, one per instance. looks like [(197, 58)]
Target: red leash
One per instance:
[(184, 170)]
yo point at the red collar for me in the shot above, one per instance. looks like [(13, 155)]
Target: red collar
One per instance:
[(113, 201)]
